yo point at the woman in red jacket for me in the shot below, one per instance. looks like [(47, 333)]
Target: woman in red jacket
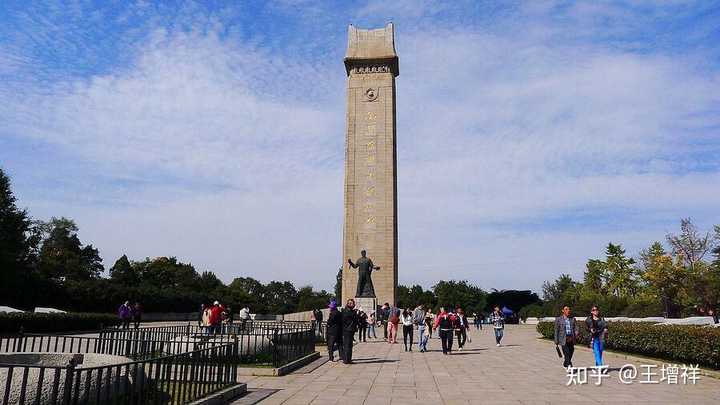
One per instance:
[(445, 322)]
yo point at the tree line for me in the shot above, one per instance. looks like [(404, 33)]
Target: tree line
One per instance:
[(678, 278), (44, 263)]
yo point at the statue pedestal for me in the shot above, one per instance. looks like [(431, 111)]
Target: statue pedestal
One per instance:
[(367, 304)]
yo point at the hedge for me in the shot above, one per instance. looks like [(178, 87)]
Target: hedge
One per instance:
[(688, 344), (57, 322)]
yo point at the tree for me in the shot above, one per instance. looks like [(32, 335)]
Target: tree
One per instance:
[(460, 293), (595, 278), (62, 255), (620, 271), (281, 297), (690, 245), (18, 241), (309, 299), (665, 277), (124, 273), (556, 290)]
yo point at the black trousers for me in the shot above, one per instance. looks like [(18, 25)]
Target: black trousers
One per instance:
[(446, 337), (568, 349), (384, 328), (408, 336), (462, 337), (362, 334), (334, 342), (347, 344)]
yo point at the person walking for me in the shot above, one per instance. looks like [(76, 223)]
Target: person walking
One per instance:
[(498, 321), (206, 319), (319, 320), (424, 337), (125, 314), (598, 328), (462, 328), (349, 327), (384, 315), (244, 317), (333, 331), (429, 321), (392, 325), (444, 323), (137, 314), (201, 324), (408, 325), (566, 333), (419, 321), (362, 325), (371, 325), (215, 318)]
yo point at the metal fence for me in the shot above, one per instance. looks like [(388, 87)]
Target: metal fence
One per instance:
[(175, 379)]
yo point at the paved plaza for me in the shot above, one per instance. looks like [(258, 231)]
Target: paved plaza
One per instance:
[(525, 370)]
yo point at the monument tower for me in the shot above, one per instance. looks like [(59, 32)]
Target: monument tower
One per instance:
[(371, 160)]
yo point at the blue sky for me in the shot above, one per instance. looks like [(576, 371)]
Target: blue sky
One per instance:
[(530, 134)]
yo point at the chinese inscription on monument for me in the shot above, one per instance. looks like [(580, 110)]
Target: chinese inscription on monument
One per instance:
[(370, 220)]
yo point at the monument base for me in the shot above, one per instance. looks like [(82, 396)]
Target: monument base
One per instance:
[(367, 304)]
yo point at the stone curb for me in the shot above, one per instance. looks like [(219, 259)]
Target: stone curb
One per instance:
[(638, 358), (280, 371), (224, 396)]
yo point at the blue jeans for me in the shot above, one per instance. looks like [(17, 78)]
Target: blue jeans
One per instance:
[(421, 335), (498, 335), (597, 348)]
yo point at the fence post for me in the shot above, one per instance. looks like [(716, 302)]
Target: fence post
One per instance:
[(69, 374), (187, 329), (274, 344)]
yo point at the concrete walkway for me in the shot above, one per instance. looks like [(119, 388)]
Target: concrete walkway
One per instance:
[(524, 370)]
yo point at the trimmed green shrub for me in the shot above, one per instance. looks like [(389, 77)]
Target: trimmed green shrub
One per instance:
[(35, 323), (688, 344)]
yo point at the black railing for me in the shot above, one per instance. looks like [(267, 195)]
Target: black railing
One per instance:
[(275, 347), (176, 379)]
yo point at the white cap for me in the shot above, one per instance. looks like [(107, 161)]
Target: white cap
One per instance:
[(216, 303)]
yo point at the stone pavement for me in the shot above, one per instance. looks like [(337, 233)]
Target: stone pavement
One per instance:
[(524, 370)]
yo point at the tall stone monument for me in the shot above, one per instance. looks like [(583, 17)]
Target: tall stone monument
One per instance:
[(370, 161)]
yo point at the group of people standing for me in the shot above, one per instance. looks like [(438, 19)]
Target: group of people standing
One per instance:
[(216, 318), (342, 324), (130, 313)]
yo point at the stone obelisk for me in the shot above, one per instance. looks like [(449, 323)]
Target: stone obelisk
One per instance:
[(371, 161)]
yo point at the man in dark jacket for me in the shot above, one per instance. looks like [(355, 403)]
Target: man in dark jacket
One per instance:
[(349, 327), (566, 332), (334, 331)]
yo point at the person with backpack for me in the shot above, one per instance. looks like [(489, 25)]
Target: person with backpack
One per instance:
[(419, 321), (498, 321), (445, 324)]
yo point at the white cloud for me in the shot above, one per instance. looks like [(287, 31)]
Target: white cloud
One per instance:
[(497, 127)]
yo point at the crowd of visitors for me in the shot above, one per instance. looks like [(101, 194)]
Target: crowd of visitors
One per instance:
[(418, 325)]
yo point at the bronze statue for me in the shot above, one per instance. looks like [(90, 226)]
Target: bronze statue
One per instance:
[(365, 267)]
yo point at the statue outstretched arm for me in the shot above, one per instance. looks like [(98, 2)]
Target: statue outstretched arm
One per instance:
[(353, 265)]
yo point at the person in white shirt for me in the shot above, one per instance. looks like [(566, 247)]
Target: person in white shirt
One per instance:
[(407, 321)]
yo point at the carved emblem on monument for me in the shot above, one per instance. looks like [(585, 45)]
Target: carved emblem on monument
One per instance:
[(371, 94)]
